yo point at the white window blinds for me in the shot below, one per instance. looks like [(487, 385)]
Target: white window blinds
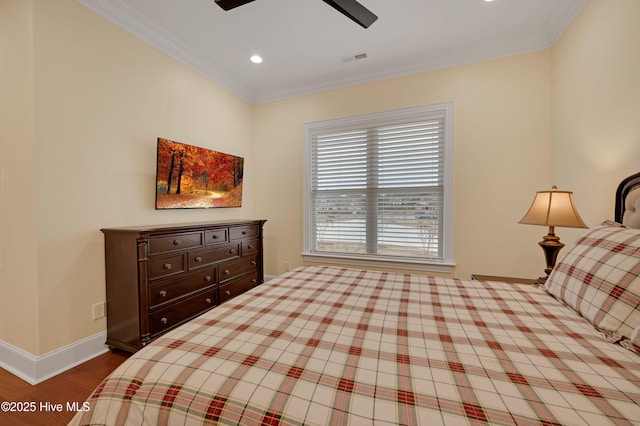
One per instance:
[(376, 185)]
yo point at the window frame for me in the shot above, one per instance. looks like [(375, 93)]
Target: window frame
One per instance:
[(445, 264)]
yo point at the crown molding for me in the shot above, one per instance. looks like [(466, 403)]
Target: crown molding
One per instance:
[(121, 14), (561, 20), (386, 71), (129, 19)]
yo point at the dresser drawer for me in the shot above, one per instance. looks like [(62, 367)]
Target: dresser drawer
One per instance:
[(234, 288), (216, 236), (160, 276), (175, 242), (165, 266), (243, 232), (164, 319), (168, 290), (249, 247), (238, 267), (201, 258)]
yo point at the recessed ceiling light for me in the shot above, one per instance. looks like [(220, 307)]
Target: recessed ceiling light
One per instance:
[(256, 59)]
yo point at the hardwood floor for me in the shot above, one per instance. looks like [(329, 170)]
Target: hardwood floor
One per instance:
[(74, 385)]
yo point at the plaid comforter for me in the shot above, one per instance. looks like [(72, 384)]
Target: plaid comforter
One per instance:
[(333, 346)]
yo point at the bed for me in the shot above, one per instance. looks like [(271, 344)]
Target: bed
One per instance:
[(329, 345)]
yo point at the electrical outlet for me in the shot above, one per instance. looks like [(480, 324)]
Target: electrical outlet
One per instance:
[(98, 310)]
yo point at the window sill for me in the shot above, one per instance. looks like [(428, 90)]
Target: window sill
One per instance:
[(394, 263)]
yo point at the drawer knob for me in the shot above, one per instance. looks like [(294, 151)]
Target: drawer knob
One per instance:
[(253, 262), (250, 247), (164, 320), (232, 251), (176, 242), (198, 259), (228, 293), (162, 293), (226, 272), (208, 300), (254, 281), (244, 232), (167, 266), (207, 279), (214, 236)]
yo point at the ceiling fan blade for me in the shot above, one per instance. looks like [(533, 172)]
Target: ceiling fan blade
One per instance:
[(354, 11), (231, 4)]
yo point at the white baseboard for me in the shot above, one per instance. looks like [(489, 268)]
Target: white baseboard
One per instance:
[(35, 369)]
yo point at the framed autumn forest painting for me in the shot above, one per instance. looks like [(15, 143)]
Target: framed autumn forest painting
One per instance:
[(190, 177)]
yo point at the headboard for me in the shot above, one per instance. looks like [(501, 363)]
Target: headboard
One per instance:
[(628, 202)]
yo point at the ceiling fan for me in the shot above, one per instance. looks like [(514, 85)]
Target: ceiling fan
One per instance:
[(350, 8)]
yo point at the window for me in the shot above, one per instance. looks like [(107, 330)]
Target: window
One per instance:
[(378, 189)]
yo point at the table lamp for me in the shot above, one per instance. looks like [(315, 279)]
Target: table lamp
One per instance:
[(552, 208)]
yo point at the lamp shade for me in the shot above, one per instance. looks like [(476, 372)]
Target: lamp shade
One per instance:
[(553, 208)]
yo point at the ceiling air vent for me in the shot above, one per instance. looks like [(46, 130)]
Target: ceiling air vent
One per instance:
[(354, 57)]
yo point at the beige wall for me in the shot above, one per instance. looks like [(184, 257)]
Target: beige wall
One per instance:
[(596, 105), (102, 97), (78, 152), (501, 157), (18, 256), (568, 116)]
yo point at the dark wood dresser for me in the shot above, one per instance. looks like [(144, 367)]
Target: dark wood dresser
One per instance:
[(159, 277)]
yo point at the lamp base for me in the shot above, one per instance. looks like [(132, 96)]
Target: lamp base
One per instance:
[(541, 280), (551, 245)]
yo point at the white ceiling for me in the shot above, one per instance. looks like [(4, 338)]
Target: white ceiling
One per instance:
[(304, 42)]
